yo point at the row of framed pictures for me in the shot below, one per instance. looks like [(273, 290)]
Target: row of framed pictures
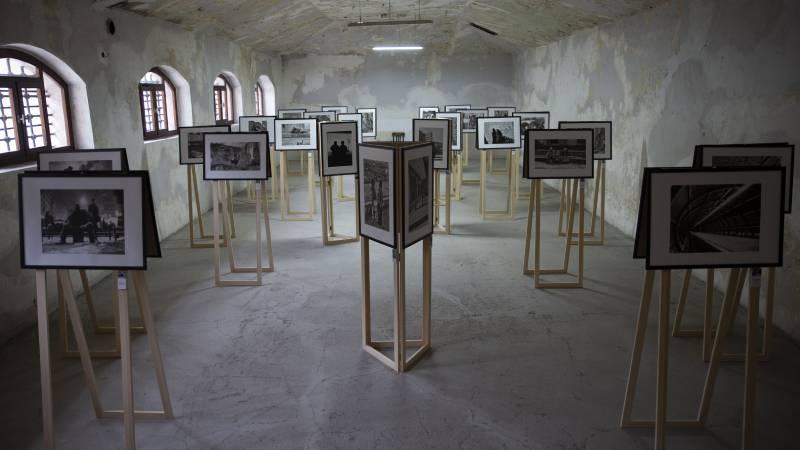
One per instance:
[(470, 116), (566, 152), (726, 211), (226, 155), (84, 209), (368, 117)]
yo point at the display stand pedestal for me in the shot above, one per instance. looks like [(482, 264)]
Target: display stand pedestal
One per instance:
[(286, 209), (194, 194), (535, 204), (259, 268), (340, 195), (398, 362), (64, 322), (502, 214), (329, 236), (128, 413), (441, 200), (599, 196), (708, 330)]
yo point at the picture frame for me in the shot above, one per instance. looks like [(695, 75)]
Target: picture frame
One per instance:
[(108, 233), (338, 148), (715, 218), (533, 120), (470, 118), (642, 233), (369, 121), (454, 108), (417, 193), (87, 160), (558, 154), (428, 112), (751, 155), (376, 168), (321, 116), (500, 111), (190, 142), (295, 113), (498, 133), (603, 135), (337, 109), (455, 128), (352, 117), (438, 133), (295, 134), (236, 156), (258, 124)]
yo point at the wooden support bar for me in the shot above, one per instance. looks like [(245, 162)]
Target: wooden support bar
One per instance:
[(127, 367), (45, 373)]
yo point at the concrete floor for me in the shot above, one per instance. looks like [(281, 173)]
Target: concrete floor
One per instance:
[(280, 366)]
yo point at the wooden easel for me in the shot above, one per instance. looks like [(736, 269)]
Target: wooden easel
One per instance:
[(259, 268), (492, 170), (441, 200), (728, 308), (398, 362), (340, 195), (286, 210), (63, 322), (302, 166), (708, 330), (329, 236), (535, 204), (599, 195), (502, 214), (194, 194), (128, 413)]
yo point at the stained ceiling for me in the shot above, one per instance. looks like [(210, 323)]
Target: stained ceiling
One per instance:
[(320, 26)]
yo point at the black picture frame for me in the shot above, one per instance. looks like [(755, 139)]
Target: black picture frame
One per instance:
[(456, 136), (364, 112), (737, 175), (270, 120), (530, 141), (444, 163), (516, 124), (313, 125), (123, 156), (493, 109), (318, 115), (594, 124), (338, 109), (386, 153), (140, 175), (423, 109), (265, 161), (523, 129), (212, 129), (281, 112), (454, 108), (405, 152), (323, 169), (467, 117)]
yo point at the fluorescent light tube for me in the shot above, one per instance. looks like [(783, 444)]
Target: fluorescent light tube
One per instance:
[(397, 48)]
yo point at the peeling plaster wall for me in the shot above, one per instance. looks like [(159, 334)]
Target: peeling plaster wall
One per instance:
[(685, 73), (75, 32), (397, 84)]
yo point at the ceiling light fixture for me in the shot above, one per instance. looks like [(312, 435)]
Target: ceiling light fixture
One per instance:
[(484, 29), (370, 23), (393, 48)]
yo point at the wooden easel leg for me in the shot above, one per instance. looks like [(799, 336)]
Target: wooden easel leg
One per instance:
[(268, 233), (537, 250), (312, 204), (447, 203), (426, 291), (284, 187), (638, 345), (581, 236), (127, 366), (768, 311), (570, 221), (603, 204), (663, 360), (562, 205), (596, 195), (676, 325), (400, 310), (229, 201), (325, 213), (526, 256), (45, 373), (707, 313), (366, 320), (217, 259), (751, 359), (273, 172), (482, 183), (436, 200)]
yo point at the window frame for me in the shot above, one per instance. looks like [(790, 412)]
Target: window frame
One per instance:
[(154, 89), (225, 114), (16, 84), (259, 100)]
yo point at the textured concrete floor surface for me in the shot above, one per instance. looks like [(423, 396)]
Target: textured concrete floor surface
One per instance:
[(280, 366)]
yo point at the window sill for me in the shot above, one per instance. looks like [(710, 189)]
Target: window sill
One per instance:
[(153, 141), (17, 168)]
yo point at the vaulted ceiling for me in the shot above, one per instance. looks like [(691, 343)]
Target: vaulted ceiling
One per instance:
[(320, 26)]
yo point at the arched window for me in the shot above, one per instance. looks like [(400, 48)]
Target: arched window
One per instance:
[(223, 101), (259, 93), (34, 111), (158, 106)]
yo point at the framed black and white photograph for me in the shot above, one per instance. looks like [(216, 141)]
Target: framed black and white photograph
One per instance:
[(454, 108), (91, 160), (321, 116), (296, 113), (715, 218), (602, 135), (558, 154), (295, 134), (533, 120), (455, 128), (369, 121), (82, 220), (501, 111), (418, 194), (437, 132), (190, 142), (236, 156), (751, 155), (337, 109), (498, 133), (471, 119), (338, 148), (258, 124), (376, 199), (352, 117), (428, 112)]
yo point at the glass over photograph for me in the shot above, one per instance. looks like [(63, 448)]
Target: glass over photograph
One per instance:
[(89, 221)]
